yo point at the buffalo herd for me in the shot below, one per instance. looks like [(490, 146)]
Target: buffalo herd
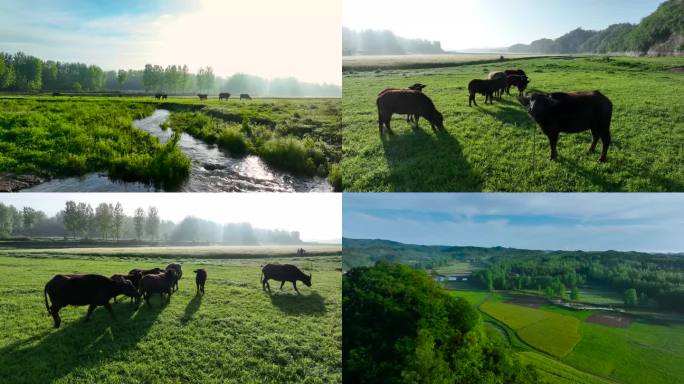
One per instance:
[(97, 290), (554, 112)]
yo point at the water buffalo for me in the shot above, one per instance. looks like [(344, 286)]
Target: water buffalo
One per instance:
[(159, 283), (159, 96), (245, 96), (283, 273), (416, 87), (485, 87), (200, 279), (571, 113), (518, 81), (179, 273), (202, 96), (407, 102), (134, 277), (91, 290), (518, 72), (224, 96), (502, 86), (153, 271)]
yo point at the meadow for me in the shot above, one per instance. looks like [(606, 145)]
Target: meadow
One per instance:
[(48, 137), (499, 147), (566, 348), (235, 333)]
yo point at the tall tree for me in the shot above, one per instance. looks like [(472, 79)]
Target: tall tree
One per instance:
[(152, 223), (121, 77), (631, 297), (139, 222), (104, 218), (118, 217), (29, 217), (70, 217), (28, 72)]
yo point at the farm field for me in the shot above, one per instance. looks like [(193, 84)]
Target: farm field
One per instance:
[(364, 63), (494, 147), (293, 136), (235, 333)]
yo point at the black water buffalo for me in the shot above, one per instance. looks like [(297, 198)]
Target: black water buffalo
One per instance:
[(56, 94), (415, 87), (283, 273), (488, 88), (518, 72), (134, 277), (224, 96), (407, 102), (202, 96), (502, 86), (571, 113), (91, 290), (245, 96), (158, 283), (159, 96), (200, 279), (518, 81), (179, 273), (153, 271)]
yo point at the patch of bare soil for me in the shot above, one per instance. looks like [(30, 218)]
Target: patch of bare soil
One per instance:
[(527, 301), (13, 183), (677, 69), (616, 321)]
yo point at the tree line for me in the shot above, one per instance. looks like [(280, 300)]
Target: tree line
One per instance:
[(374, 42), (25, 73), (108, 221)]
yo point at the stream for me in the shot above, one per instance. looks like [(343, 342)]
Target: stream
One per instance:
[(212, 170)]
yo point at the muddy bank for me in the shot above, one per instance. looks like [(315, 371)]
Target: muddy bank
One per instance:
[(13, 183)]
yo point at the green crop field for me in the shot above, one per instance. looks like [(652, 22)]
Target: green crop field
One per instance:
[(236, 333), (555, 372), (492, 147), (50, 137), (550, 332)]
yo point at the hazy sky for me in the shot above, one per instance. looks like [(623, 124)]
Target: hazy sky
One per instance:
[(461, 24), (318, 216), (551, 221), (268, 38)]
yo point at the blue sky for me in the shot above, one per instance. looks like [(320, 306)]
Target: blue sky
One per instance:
[(268, 38), (461, 24), (588, 221)]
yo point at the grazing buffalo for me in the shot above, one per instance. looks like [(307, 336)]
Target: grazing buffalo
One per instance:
[(571, 113), (283, 273), (488, 88), (518, 81), (518, 72), (415, 87), (91, 290), (224, 96), (245, 96), (202, 96), (153, 271), (179, 273), (200, 279), (160, 283), (134, 277), (407, 102), (159, 96), (56, 94), (498, 75)]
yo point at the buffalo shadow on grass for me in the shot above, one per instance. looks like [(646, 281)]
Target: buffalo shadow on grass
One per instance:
[(511, 115), (192, 307), (77, 345), (305, 304), (412, 160)]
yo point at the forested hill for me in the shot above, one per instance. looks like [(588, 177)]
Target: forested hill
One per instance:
[(661, 33), (375, 42)]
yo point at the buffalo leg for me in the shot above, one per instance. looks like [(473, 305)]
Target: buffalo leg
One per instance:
[(417, 117), (553, 141), (294, 284), (91, 308), (109, 309), (594, 140), (267, 285), (281, 284), (605, 141), (147, 299), (54, 310)]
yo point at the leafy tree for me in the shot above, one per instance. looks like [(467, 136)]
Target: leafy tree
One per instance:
[(205, 79), (104, 218), (138, 222), (28, 72), (152, 223), (118, 217), (121, 77), (631, 297), (30, 216), (70, 217), (574, 294)]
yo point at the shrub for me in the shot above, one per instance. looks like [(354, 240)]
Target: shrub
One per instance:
[(233, 141)]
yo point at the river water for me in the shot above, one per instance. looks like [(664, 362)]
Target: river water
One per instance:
[(212, 170)]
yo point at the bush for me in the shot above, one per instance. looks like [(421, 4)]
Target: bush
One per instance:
[(233, 141), (287, 153), (335, 178)]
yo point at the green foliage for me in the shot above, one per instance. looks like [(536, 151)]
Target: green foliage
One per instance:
[(433, 336), (631, 297), (235, 333), (493, 148), (335, 178)]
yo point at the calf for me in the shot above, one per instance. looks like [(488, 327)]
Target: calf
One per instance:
[(134, 277), (485, 87), (91, 290), (179, 273), (200, 279), (407, 102), (571, 113), (283, 273), (518, 81), (245, 96), (224, 96), (161, 283), (202, 96)]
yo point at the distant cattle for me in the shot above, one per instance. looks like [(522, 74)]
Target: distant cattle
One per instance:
[(200, 279), (159, 96), (179, 274), (202, 96), (283, 273), (56, 94), (78, 290), (571, 113), (407, 102), (245, 96), (518, 81), (488, 88), (224, 96), (158, 283)]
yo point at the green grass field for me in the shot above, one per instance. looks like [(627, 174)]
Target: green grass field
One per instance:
[(492, 147), (555, 372), (236, 333), (74, 135)]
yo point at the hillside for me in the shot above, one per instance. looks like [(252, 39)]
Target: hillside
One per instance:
[(376, 42), (661, 33)]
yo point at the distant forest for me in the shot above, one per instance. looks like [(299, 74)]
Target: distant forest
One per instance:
[(661, 33), (373, 42), (108, 222), (24, 73)]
